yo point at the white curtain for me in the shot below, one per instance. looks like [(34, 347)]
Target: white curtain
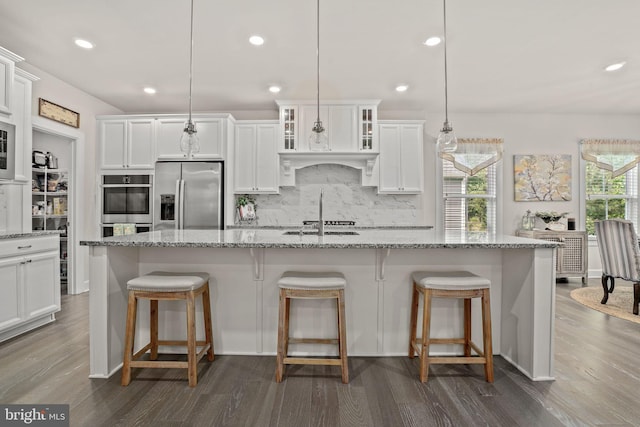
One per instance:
[(614, 155), (475, 154)]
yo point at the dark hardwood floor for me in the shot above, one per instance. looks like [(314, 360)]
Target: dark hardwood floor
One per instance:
[(597, 371)]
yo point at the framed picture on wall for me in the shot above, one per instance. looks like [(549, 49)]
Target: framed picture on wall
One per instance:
[(542, 177)]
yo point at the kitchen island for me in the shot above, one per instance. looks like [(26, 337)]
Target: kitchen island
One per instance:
[(245, 265)]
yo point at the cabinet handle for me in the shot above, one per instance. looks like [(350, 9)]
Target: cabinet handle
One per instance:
[(24, 247), (29, 260)]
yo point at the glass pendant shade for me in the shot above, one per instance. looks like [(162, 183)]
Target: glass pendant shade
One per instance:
[(190, 143), (318, 141), (447, 141)]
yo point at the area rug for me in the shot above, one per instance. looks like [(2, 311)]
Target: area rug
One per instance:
[(619, 304)]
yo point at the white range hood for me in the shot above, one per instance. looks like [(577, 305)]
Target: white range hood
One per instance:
[(366, 161)]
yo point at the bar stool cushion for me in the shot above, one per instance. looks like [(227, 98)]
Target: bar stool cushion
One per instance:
[(164, 281), (312, 280), (450, 280)]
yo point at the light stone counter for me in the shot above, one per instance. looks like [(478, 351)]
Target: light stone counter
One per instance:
[(392, 238), (245, 265), (5, 236)]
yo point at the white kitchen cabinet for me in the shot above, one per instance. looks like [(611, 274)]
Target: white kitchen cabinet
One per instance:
[(212, 132), (340, 122), (350, 125), (401, 157), (127, 143), (30, 288), (22, 88), (8, 61), (256, 157)]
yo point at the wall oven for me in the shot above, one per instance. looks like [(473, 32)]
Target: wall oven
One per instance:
[(127, 199)]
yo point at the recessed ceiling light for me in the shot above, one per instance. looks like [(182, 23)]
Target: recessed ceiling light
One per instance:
[(256, 40), (433, 41), (149, 90), (402, 88), (615, 67), (274, 89), (84, 44)]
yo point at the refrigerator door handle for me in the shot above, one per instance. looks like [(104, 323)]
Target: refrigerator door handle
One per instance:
[(181, 219), (177, 204)]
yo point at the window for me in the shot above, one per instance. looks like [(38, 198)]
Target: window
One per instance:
[(608, 197), (610, 180), (469, 201), (470, 181)]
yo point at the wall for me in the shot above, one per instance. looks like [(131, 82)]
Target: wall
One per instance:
[(535, 134), (344, 199), (55, 90)]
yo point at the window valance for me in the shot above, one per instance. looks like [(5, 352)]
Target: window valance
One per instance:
[(614, 155), (475, 154)]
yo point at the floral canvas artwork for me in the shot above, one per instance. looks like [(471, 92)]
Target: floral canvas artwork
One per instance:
[(542, 177)]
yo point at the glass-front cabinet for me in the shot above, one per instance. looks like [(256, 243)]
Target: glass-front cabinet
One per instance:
[(49, 208), (350, 125)]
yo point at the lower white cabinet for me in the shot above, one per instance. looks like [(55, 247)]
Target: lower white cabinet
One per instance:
[(401, 157), (30, 285), (256, 158)]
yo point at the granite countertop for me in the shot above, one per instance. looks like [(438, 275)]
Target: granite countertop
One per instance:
[(365, 239), (10, 235), (250, 226)]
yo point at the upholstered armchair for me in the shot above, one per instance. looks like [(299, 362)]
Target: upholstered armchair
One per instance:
[(620, 255)]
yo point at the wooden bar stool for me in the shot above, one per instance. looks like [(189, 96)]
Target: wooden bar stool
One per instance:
[(450, 284), (161, 285), (294, 284)]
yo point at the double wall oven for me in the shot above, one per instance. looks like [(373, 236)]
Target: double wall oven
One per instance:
[(126, 200)]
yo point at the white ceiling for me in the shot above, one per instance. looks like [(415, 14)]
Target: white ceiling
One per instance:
[(543, 56)]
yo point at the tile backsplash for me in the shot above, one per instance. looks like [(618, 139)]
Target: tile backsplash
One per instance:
[(344, 199)]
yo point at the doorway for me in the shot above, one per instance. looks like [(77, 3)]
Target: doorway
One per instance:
[(63, 178)]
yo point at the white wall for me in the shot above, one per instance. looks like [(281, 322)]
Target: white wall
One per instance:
[(532, 134), (55, 90)]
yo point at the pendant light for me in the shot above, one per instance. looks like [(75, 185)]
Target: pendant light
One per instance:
[(189, 142), (447, 141), (318, 141)]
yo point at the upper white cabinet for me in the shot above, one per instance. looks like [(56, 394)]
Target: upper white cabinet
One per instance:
[(256, 157), (8, 61), (137, 141), (22, 89), (127, 143), (212, 135), (401, 157), (350, 125)]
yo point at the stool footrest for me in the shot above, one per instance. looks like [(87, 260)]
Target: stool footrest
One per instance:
[(311, 361), (417, 348), (457, 360), (165, 363), (313, 340)]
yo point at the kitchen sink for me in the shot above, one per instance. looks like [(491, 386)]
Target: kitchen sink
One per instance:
[(326, 233)]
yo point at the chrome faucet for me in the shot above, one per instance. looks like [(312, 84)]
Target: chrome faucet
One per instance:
[(320, 220)]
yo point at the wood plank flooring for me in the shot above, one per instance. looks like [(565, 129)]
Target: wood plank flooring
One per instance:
[(596, 360)]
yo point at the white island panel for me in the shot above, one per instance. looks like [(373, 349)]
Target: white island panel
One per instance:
[(246, 266)]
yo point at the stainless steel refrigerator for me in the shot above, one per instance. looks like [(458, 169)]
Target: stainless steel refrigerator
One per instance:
[(188, 195)]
